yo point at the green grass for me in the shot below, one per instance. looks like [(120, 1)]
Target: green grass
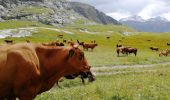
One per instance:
[(130, 86), (105, 53), (152, 85)]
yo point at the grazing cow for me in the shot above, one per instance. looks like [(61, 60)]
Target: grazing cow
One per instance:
[(168, 44), (83, 75), (60, 35), (64, 40), (108, 37), (27, 69), (9, 41), (154, 48), (130, 50), (125, 50), (163, 53), (91, 46), (148, 40), (27, 41)]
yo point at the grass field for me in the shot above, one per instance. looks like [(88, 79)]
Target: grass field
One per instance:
[(149, 84), (138, 84), (104, 54)]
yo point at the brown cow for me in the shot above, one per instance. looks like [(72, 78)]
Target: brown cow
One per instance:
[(28, 69), (91, 46), (60, 35), (154, 48), (168, 44), (9, 41), (163, 53), (126, 50), (108, 37)]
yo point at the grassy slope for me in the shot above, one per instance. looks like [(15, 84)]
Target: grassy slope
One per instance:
[(147, 85), (105, 53)]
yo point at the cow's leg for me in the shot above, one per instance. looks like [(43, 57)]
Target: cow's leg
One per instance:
[(10, 98), (82, 79), (118, 53)]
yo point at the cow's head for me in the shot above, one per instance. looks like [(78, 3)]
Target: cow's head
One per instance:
[(88, 75), (76, 59)]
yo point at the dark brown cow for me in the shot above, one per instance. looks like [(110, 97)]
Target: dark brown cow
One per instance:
[(83, 75), (154, 48), (168, 44), (9, 41), (125, 50), (91, 46), (60, 35), (28, 69), (64, 40), (27, 41), (108, 37)]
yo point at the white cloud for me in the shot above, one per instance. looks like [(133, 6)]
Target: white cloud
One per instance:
[(123, 8), (155, 8), (118, 15)]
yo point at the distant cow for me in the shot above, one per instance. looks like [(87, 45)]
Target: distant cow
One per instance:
[(108, 37), (89, 46), (27, 41), (154, 48), (27, 69), (60, 35), (64, 40), (163, 53), (168, 44), (9, 41), (83, 75), (126, 50)]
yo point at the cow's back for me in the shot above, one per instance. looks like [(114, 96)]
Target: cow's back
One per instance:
[(17, 63)]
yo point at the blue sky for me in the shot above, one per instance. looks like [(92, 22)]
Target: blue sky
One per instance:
[(124, 8)]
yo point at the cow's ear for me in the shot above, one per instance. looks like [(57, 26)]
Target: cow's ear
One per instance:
[(71, 53)]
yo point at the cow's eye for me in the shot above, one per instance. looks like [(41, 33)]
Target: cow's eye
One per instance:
[(81, 56)]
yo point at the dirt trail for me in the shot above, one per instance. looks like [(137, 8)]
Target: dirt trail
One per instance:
[(97, 72)]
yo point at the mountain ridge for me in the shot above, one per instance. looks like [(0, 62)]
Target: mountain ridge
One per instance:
[(157, 24)]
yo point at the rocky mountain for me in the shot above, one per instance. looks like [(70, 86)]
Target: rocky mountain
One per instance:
[(53, 12), (92, 13), (157, 24)]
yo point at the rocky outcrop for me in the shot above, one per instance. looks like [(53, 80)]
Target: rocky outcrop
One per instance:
[(52, 12)]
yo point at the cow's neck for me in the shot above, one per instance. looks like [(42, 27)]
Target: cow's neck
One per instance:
[(51, 68)]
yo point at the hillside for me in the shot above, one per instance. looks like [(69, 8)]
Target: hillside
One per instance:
[(92, 13), (51, 12)]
